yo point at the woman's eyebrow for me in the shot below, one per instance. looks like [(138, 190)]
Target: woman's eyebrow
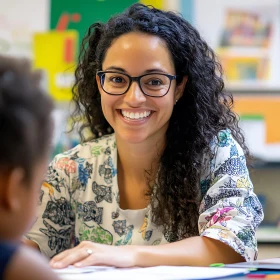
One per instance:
[(115, 69), (155, 70), (119, 69)]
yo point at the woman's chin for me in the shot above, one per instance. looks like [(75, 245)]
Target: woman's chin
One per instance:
[(132, 138)]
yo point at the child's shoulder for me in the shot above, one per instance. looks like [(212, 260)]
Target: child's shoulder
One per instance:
[(8, 251), (29, 264)]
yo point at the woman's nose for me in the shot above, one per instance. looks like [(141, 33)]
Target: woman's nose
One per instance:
[(134, 96)]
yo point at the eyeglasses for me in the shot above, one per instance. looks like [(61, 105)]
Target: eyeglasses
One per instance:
[(152, 84)]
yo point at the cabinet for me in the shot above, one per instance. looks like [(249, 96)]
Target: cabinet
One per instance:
[(266, 181)]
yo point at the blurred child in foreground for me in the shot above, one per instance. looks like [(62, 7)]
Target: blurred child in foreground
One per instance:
[(25, 129)]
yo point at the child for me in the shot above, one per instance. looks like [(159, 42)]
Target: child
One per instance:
[(25, 129)]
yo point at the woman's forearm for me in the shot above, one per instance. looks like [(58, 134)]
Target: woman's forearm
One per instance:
[(194, 251)]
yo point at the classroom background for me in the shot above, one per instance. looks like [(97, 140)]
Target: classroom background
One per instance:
[(244, 34)]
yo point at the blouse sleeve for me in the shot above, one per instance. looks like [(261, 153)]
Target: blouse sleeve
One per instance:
[(54, 224), (230, 210)]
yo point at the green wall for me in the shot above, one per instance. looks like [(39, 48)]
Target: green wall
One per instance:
[(85, 12)]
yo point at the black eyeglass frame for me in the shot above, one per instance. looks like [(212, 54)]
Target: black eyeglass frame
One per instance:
[(137, 79)]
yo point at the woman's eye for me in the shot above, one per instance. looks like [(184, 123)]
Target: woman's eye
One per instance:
[(155, 83), (117, 80)]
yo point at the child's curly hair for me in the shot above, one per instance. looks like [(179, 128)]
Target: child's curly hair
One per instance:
[(25, 116)]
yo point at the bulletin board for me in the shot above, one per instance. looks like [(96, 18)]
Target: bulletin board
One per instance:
[(245, 36), (67, 14)]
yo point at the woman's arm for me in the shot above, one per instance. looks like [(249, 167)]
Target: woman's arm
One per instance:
[(30, 243), (230, 211), (51, 231), (193, 251)]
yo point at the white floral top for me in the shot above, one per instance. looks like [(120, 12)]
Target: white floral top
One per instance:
[(80, 201)]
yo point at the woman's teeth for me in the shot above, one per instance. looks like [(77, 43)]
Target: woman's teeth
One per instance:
[(135, 116)]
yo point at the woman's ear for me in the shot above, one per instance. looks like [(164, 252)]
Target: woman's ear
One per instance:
[(12, 185), (98, 83), (180, 89)]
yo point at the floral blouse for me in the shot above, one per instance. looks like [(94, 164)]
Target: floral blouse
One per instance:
[(80, 201)]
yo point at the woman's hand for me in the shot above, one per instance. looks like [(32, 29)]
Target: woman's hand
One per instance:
[(89, 253)]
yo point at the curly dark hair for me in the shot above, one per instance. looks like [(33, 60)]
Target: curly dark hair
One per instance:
[(25, 116), (202, 111)]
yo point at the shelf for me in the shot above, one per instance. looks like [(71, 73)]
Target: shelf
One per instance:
[(255, 91), (268, 235), (260, 164), (253, 88)]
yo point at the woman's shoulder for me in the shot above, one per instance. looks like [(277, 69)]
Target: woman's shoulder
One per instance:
[(227, 155), (93, 148), (223, 139), (224, 146), (224, 150)]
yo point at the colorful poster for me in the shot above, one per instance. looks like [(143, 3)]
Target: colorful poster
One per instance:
[(70, 14), (266, 106), (55, 53), (244, 45), (259, 120), (246, 29), (159, 4)]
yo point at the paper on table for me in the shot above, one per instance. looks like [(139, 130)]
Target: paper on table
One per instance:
[(79, 270), (266, 264), (274, 260), (157, 273)]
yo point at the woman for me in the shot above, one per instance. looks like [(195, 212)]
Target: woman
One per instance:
[(166, 166)]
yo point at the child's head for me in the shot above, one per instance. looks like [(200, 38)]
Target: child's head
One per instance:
[(25, 133)]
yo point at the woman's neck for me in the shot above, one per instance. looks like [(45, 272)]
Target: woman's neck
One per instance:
[(136, 159)]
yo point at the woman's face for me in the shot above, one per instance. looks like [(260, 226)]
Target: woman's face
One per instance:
[(134, 116)]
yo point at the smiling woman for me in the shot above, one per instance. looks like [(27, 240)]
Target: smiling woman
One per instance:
[(152, 91), (166, 165)]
